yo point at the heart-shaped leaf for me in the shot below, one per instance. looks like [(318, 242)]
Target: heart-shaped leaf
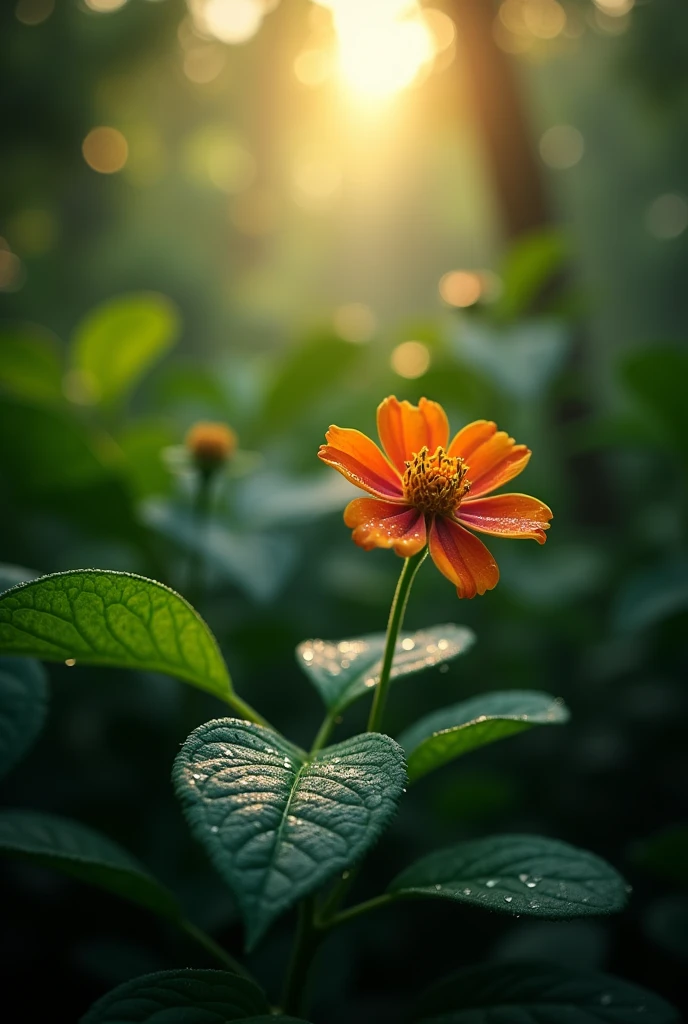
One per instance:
[(345, 670), (96, 617), (76, 850), (181, 997), (23, 707), (516, 874), (539, 993), (118, 341), (450, 732), (276, 823)]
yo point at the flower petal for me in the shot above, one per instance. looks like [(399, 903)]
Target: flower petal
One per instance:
[(360, 460), (384, 524), (462, 558), (493, 458), (404, 428), (507, 515)]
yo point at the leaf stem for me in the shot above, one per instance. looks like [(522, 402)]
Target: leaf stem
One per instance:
[(325, 731), (306, 942), (396, 618), (201, 512), (203, 939), (359, 908)]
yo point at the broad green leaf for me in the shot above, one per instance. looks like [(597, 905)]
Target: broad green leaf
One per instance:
[(112, 618), (23, 707), (520, 360), (539, 993), (517, 874), (180, 997), (30, 364), (276, 823), (450, 732), (346, 670), (664, 854), (120, 340), (76, 850)]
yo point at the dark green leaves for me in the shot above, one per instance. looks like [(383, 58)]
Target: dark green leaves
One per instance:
[(23, 705), (517, 874), (181, 997), (276, 824), (112, 618), (538, 993), (344, 671), (76, 850), (450, 732), (119, 341)]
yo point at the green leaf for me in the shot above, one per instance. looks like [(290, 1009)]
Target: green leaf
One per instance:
[(531, 262), (521, 360), (82, 853), (180, 997), (346, 670), (539, 993), (450, 732), (664, 854), (30, 364), (112, 618), (23, 707), (276, 823), (120, 340), (517, 874)]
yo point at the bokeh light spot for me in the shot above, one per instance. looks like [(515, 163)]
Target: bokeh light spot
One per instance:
[(230, 21), (667, 216), (105, 6), (615, 8), (203, 64), (312, 67), (215, 155), (33, 230), (355, 322), (34, 12), (105, 150), (411, 359), (562, 146), (460, 288)]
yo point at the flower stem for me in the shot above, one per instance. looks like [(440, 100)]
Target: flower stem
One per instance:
[(324, 731), (197, 561), (359, 908), (396, 618), (306, 942)]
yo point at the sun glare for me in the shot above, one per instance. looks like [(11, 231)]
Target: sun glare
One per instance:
[(382, 47)]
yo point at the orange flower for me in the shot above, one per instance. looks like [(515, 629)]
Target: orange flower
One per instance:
[(428, 489)]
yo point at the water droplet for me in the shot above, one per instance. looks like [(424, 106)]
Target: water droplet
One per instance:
[(408, 644), (438, 886), (531, 885), (308, 655), (467, 892), (523, 878), (70, 662), (214, 828), (287, 763), (606, 998), (444, 668), (336, 760), (197, 776), (534, 906), (491, 883), (443, 644), (345, 874), (508, 899)]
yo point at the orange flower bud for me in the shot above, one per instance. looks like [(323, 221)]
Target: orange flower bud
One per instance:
[(211, 445)]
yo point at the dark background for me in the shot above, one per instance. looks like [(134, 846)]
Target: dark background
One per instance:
[(301, 231)]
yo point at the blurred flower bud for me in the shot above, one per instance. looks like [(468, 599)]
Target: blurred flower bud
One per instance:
[(211, 445)]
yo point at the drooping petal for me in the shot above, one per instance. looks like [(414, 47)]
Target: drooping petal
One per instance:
[(404, 428), (384, 524), (462, 558), (507, 515), (360, 460), (493, 458)]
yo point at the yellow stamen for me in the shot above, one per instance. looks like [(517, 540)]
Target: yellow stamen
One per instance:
[(435, 483)]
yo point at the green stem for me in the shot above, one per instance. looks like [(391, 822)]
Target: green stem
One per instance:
[(305, 944), (325, 731), (201, 511), (360, 908), (203, 939), (245, 710), (396, 618)]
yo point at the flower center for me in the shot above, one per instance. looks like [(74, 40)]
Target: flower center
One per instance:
[(435, 483)]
